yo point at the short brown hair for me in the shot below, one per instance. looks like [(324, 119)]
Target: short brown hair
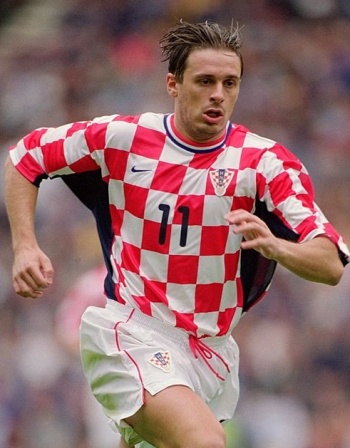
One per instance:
[(185, 37)]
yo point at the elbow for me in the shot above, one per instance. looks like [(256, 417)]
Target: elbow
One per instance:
[(334, 281), (335, 275), (332, 263)]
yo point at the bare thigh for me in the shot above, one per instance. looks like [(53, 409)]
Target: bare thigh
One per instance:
[(177, 418), (123, 444)]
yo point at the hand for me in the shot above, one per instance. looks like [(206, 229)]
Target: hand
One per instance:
[(256, 233), (32, 272)]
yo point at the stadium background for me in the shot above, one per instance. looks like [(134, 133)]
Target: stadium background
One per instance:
[(73, 60)]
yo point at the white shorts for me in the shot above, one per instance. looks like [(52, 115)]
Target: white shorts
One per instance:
[(125, 352)]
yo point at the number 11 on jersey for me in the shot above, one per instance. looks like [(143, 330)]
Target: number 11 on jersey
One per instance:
[(185, 212)]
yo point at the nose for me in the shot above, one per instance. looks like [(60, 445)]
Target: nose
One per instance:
[(217, 94)]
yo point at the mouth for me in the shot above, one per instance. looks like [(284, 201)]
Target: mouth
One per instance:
[(213, 116)]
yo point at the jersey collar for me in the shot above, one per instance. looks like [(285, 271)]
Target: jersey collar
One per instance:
[(190, 145)]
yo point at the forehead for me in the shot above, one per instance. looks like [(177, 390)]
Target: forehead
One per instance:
[(210, 61)]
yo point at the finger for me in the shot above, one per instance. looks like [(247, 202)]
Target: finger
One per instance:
[(27, 279), (47, 271), (236, 216), (32, 295), (32, 281), (246, 228), (22, 289), (38, 279), (48, 275)]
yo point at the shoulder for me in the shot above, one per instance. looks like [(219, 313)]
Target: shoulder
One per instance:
[(244, 137), (149, 119), (127, 126), (267, 148), (122, 131)]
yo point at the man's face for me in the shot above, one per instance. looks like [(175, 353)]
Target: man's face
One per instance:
[(206, 97)]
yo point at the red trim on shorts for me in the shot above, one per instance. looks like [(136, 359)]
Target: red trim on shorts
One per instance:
[(128, 354)]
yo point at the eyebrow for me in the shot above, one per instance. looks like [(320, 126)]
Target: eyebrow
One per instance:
[(207, 75)]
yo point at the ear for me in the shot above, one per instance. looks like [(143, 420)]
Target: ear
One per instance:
[(171, 85)]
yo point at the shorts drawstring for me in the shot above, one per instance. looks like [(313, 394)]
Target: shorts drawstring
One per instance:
[(198, 347)]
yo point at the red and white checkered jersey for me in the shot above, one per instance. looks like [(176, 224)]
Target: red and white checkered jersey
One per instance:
[(174, 255)]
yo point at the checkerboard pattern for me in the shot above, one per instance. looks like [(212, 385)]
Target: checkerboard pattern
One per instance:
[(174, 256)]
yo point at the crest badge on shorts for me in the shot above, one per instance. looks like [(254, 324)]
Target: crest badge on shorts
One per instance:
[(161, 360), (220, 179)]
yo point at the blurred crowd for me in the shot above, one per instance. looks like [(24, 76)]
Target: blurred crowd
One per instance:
[(74, 60)]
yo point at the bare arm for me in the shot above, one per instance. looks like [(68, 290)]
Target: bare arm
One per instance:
[(315, 260), (32, 269)]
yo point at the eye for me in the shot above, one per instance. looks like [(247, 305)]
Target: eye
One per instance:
[(230, 83), (205, 81)]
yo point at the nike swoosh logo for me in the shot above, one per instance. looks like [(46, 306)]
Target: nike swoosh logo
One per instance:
[(138, 170)]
